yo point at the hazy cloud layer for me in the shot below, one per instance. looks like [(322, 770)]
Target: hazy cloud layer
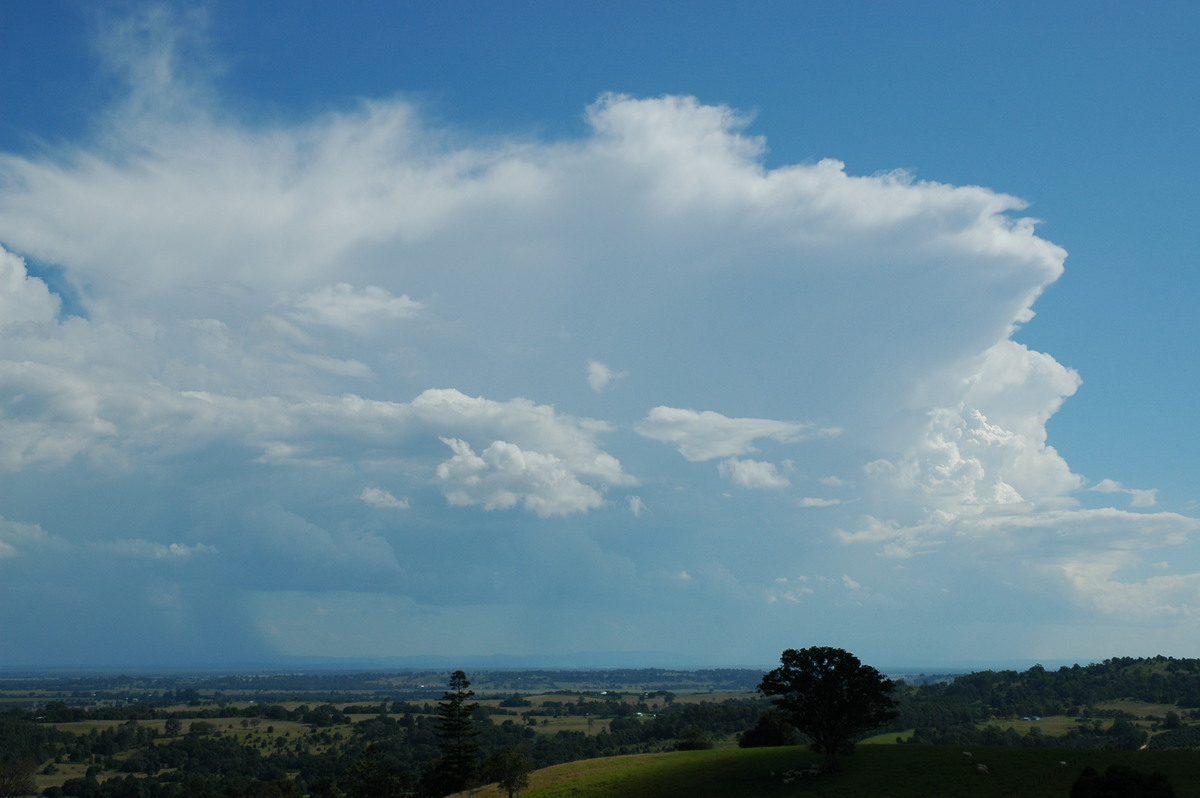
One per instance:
[(336, 362)]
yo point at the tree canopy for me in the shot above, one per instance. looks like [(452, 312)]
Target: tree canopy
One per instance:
[(830, 696)]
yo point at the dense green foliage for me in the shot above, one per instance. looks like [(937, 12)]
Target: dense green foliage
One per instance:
[(770, 730), (830, 696)]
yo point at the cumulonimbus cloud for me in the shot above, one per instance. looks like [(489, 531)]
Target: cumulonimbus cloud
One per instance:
[(391, 303)]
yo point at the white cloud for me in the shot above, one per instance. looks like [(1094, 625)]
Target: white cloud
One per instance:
[(344, 307), (752, 474), (707, 435), (1084, 550), (534, 428), (378, 497), (503, 475), (636, 506), (789, 591), (1137, 497), (987, 444), (599, 376)]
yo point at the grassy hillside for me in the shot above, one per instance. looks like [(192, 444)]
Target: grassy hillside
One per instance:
[(875, 772)]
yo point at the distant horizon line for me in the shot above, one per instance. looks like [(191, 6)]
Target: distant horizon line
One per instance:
[(579, 661)]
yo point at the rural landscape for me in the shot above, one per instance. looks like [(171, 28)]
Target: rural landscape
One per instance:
[(632, 732)]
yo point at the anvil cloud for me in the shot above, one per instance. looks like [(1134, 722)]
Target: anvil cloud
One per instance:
[(357, 383)]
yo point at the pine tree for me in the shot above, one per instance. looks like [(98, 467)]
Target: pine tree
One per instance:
[(456, 769)]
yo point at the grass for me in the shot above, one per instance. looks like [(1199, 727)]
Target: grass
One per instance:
[(879, 771)]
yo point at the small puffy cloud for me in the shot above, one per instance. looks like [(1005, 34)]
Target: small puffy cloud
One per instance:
[(857, 594), (533, 428), (707, 435), (378, 497), (599, 375), (503, 475), (23, 299), (752, 474), (811, 501), (636, 506), (789, 591), (1137, 497), (344, 307)]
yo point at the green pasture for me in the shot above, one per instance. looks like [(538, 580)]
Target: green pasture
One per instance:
[(1141, 709), (570, 723), (1053, 725), (879, 771), (712, 698), (65, 772)]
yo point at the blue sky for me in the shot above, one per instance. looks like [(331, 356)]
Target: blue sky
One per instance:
[(536, 328)]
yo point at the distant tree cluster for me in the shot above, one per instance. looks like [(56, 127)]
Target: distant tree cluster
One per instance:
[(964, 710)]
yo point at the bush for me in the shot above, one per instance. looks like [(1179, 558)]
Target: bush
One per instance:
[(770, 730), (693, 740)]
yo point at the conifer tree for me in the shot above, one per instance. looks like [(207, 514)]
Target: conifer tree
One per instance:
[(457, 768)]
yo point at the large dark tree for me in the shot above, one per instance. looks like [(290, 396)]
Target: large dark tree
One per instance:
[(827, 694), (456, 732), (374, 776), (510, 770), (16, 777)]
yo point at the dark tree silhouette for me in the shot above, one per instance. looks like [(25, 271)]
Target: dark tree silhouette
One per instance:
[(16, 777), (827, 694), (457, 768)]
